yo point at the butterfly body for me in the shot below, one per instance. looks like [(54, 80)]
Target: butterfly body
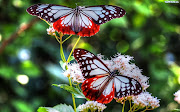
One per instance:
[(82, 21), (101, 84)]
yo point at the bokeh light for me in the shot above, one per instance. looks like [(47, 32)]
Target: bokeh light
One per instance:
[(24, 54), (22, 79)]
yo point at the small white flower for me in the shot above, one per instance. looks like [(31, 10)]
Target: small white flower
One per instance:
[(92, 106), (146, 100), (74, 72), (51, 31), (123, 64), (177, 96)]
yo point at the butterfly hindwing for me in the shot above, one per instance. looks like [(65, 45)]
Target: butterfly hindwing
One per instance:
[(126, 86), (103, 13), (85, 26), (99, 88), (49, 12), (90, 65)]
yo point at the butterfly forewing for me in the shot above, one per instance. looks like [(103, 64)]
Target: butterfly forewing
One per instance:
[(90, 65), (103, 13), (49, 12), (126, 86)]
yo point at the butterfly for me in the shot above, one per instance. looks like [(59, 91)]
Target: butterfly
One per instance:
[(101, 84), (82, 21)]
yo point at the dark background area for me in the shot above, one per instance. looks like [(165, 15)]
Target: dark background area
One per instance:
[(150, 32)]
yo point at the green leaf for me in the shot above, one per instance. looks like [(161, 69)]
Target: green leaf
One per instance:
[(30, 68), (63, 65), (7, 72), (75, 91), (57, 108), (176, 110), (42, 109), (71, 58), (63, 108)]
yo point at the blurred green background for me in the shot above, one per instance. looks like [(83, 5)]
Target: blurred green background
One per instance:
[(29, 58)]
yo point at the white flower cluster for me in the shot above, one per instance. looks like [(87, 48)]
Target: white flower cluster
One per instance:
[(146, 100), (123, 64), (177, 96), (74, 72), (51, 31), (92, 106)]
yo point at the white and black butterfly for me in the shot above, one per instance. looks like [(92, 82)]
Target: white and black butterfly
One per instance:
[(101, 84), (83, 21)]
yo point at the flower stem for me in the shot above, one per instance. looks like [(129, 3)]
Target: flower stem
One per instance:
[(46, 22), (123, 106), (73, 49), (74, 103), (64, 60), (61, 48), (66, 39), (130, 103)]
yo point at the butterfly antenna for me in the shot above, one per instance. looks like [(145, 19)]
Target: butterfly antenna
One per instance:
[(76, 4)]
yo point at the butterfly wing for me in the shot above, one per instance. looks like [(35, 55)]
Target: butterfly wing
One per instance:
[(103, 13), (88, 26), (126, 86), (98, 84), (49, 12), (80, 24), (99, 88), (90, 65)]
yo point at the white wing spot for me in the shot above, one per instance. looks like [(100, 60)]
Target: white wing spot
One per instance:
[(90, 61), (107, 13), (103, 11), (112, 12), (84, 58), (86, 74), (88, 67), (87, 62), (45, 11), (50, 14), (102, 15)]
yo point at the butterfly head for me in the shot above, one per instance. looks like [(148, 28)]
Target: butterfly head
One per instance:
[(114, 73)]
